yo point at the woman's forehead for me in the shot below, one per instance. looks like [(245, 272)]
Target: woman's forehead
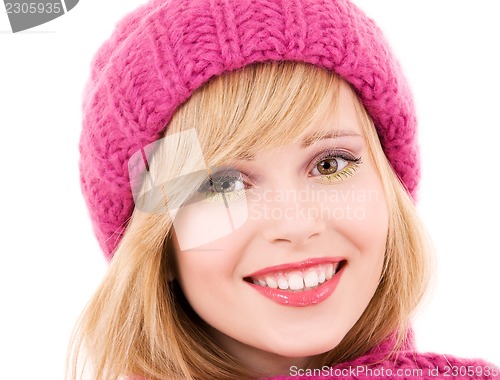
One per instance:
[(344, 122)]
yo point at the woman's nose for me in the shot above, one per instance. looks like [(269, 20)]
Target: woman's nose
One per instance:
[(290, 214)]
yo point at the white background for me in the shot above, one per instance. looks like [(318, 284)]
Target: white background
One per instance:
[(51, 263)]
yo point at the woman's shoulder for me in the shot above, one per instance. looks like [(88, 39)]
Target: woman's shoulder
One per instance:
[(403, 365)]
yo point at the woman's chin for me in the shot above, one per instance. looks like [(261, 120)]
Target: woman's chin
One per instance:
[(303, 347)]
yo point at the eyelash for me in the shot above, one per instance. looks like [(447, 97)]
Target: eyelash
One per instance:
[(216, 196), (351, 167)]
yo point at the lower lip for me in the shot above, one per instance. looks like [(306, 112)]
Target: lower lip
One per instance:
[(303, 298)]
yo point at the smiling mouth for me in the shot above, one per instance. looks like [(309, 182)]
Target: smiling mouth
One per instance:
[(298, 280)]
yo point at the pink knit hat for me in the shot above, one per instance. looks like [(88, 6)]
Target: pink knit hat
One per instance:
[(163, 51)]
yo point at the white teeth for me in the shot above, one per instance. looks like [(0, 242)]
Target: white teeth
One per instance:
[(295, 281), (322, 275), (282, 283), (311, 279), (299, 279), (271, 282), (329, 271)]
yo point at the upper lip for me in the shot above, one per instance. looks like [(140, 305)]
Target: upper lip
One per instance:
[(297, 265)]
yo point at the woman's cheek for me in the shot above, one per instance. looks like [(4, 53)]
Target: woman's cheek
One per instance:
[(363, 216)]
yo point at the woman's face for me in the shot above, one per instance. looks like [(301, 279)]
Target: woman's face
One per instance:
[(303, 252)]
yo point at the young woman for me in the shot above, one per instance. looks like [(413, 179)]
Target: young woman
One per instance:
[(251, 168)]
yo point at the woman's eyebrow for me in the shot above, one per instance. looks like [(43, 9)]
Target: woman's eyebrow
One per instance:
[(307, 141), (312, 138)]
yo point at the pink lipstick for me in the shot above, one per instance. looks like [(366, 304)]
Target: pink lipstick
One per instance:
[(304, 283)]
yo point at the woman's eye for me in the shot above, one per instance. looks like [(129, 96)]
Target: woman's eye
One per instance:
[(226, 185), (330, 166), (335, 166)]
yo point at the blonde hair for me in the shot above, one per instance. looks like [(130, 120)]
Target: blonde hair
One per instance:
[(139, 323)]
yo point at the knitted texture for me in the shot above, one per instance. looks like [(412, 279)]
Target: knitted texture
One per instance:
[(407, 363), (162, 52)]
